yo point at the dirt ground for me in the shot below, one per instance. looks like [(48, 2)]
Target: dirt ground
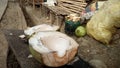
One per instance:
[(92, 51), (98, 54), (12, 19)]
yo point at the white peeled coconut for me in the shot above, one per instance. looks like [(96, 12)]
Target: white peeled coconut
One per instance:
[(53, 48), (43, 27)]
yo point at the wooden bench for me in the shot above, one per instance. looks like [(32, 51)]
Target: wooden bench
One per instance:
[(55, 14)]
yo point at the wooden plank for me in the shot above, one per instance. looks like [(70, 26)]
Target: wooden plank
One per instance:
[(3, 5), (72, 6), (56, 10), (70, 10), (75, 7), (62, 11), (72, 2)]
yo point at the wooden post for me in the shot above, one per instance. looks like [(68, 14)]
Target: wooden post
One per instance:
[(62, 24), (33, 4), (57, 20), (52, 17)]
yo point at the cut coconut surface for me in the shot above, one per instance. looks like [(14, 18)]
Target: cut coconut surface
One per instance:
[(46, 42), (56, 45)]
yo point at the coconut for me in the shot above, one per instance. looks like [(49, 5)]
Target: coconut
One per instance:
[(53, 48), (80, 31), (43, 27)]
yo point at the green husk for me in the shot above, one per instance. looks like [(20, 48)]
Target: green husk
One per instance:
[(35, 54)]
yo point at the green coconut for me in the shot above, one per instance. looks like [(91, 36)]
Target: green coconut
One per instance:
[(80, 31)]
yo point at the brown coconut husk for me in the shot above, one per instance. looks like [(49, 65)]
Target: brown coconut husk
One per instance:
[(52, 59)]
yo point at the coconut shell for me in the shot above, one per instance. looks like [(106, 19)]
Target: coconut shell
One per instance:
[(52, 59)]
